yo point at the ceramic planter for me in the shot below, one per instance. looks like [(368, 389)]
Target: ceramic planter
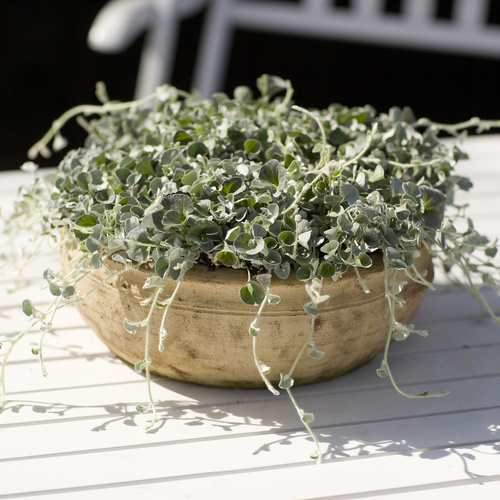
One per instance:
[(208, 341)]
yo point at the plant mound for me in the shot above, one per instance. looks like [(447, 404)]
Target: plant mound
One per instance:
[(259, 184), (256, 183)]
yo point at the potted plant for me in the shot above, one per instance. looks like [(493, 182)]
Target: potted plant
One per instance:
[(242, 226)]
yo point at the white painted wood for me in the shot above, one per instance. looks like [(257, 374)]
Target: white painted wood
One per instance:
[(367, 9), (471, 14), (320, 5), (216, 472), (419, 11), (76, 434)]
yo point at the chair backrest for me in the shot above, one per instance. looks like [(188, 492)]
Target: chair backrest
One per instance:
[(413, 23)]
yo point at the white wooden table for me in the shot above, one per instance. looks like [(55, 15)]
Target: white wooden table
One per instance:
[(76, 435)]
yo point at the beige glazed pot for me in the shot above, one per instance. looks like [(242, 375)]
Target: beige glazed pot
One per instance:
[(208, 341)]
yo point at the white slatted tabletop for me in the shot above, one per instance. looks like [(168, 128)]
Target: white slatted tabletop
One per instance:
[(75, 434)]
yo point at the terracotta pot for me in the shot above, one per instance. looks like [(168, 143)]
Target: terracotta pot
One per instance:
[(208, 341)]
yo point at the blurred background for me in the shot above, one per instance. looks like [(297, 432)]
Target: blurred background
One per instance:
[(47, 68)]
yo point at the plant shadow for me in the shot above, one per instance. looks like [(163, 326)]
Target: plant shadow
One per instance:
[(273, 419), (357, 415)]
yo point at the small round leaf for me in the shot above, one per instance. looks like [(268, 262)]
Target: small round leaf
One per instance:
[(27, 307), (161, 266), (252, 293), (227, 258), (326, 270)]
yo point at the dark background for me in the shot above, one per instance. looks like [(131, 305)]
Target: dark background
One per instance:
[(46, 68)]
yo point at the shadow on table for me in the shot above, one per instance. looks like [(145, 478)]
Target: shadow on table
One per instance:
[(434, 433), (358, 415)]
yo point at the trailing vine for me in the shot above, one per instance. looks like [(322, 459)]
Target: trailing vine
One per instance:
[(258, 184)]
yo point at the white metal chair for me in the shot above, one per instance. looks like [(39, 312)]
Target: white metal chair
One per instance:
[(416, 25), (120, 22)]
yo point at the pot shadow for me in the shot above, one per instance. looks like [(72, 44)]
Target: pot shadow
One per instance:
[(257, 412)]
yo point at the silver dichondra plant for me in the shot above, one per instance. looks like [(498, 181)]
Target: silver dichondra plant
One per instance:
[(260, 184)]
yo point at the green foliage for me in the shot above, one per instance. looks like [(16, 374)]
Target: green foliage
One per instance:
[(174, 181), (254, 183)]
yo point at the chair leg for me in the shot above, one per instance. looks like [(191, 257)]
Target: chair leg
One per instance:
[(158, 54), (215, 48)]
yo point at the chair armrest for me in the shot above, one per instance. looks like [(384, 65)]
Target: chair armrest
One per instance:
[(118, 24)]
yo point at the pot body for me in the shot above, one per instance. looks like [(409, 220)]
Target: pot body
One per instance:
[(207, 324)]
